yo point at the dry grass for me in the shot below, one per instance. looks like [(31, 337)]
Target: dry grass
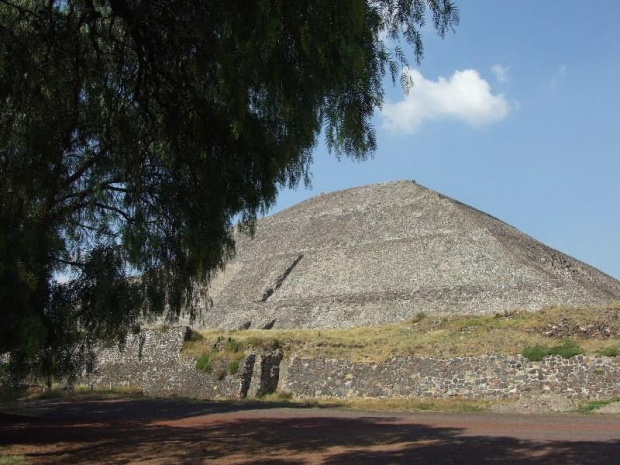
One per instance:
[(391, 404), (590, 406), (85, 393), (442, 337), (395, 404), (81, 392), (10, 459)]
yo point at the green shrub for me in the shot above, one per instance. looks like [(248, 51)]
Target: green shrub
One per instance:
[(567, 349), (205, 363), (233, 345), (536, 353), (233, 367), (610, 351), (592, 405)]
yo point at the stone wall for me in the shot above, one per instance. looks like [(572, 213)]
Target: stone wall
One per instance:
[(473, 377), (153, 362)]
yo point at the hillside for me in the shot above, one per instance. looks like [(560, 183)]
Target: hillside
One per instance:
[(595, 331)]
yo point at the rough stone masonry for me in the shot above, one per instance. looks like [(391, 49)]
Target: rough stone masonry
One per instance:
[(383, 253), (152, 361)]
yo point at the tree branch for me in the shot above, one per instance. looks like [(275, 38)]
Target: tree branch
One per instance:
[(80, 171), (118, 211), (69, 262)]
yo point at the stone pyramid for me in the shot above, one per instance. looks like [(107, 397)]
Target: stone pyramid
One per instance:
[(385, 252)]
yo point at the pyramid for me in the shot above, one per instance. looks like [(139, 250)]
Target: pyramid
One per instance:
[(383, 253)]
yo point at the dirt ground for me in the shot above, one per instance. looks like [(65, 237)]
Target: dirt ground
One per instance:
[(165, 431)]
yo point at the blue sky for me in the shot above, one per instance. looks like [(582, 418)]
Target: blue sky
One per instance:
[(516, 114)]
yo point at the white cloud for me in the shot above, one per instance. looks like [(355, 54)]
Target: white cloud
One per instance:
[(501, 73), (465, 96)]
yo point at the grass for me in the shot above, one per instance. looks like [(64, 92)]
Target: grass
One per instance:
[(85, 393), (220, 358), (417, 405), (591, 405), (388, 404), (567, 349), (205, 363), (611, 351), (279, 396), (34, 405), (393, 404), (442, 337), (12, 459), (233, 345), (13, 396), (233, 367)]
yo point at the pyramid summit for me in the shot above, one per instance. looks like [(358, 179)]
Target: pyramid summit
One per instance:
[(383, 253)]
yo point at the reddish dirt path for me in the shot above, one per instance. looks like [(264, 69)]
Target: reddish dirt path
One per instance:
[(157, 431)]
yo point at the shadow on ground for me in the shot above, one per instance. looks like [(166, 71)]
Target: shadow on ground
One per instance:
[(140, 409), (165, 431)]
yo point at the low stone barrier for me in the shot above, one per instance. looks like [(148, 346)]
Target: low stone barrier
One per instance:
[(153, 362), (490, 376)]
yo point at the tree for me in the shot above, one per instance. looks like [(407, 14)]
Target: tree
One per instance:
[(134, 132)]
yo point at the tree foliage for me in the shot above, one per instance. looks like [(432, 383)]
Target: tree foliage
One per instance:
[(133, 133)]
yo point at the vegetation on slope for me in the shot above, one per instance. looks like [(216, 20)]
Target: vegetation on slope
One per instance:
[(592, 330)]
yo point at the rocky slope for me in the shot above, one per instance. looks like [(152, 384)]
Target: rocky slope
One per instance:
[(385, 252)]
